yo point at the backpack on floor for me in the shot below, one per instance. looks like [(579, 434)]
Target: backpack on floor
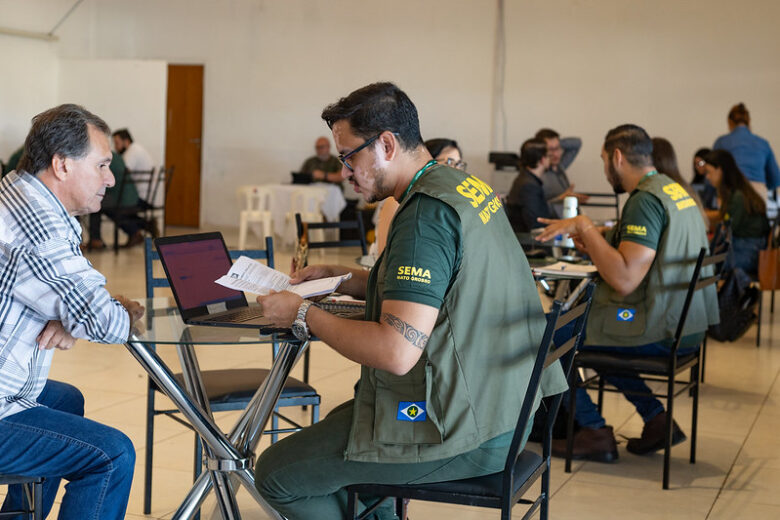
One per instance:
[(737, 302)]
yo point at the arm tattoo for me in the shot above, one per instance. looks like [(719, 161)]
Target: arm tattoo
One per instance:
[(412, 335)]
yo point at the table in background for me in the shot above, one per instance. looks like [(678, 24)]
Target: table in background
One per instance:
[(230, 457), (331, 198)]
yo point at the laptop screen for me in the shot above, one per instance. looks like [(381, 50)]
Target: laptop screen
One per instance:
[(192, 268)]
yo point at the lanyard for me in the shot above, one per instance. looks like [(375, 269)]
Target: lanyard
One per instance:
[(645, 176), (417, 175)]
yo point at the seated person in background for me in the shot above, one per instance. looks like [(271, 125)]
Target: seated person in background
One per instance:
[(13, 161), (135, 156), (526, 201), (445, 151), (131, 224), (562, 153), (416, 416), (665, 161), (637, 306), (741, 206), (49, 295), (323, 166), (707, 192)]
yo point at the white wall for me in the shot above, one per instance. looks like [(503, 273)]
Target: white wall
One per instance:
[(580, 66), (28, 87), (125, 93)]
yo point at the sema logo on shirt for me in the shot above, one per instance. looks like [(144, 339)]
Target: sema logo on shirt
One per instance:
[(413, 274)]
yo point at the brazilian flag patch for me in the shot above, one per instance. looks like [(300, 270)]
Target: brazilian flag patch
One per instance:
[(625, 314), (412, 411)]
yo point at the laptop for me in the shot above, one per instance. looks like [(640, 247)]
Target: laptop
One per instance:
[(192, 263), (301, 178)]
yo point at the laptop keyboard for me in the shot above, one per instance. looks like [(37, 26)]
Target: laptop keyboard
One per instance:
[(244, 314)]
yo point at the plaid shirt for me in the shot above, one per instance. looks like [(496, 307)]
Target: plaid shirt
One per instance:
[(44, 276)]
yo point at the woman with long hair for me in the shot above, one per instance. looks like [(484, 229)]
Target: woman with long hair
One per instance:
[(707, 192), (741, 206), (665, 161)]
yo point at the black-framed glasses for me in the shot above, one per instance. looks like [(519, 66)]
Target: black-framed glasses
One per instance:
[(343, 158)]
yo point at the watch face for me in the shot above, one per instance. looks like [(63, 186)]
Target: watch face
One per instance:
[(299, 330)]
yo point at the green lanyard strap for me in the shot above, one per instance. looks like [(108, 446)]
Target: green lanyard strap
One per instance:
[(417, 175)]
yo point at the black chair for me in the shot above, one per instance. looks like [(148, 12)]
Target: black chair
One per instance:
[(160, 183), (666, 369), (142, 180), (504, 489), (33, 491), (230, 389), (342, 225), (603, 200), (774, 240)]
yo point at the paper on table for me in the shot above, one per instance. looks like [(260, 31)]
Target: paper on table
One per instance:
[(566, 269), (252, 276)]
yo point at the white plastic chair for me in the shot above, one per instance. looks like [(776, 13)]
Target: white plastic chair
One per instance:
[(254, 202), (309, 205)]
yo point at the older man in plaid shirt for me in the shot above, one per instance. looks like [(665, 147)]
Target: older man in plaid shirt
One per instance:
[(50, 295)]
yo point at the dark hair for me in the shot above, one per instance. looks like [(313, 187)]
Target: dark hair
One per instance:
[(739, 115), (633, 142), (123, 134), (62, 131), (438, 145), (377, 108), (547, 133), (701, 153), (532, 151), (665, 161), (732, 181)]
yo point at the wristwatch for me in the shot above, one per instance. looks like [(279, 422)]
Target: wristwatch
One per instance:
[(299, 328)]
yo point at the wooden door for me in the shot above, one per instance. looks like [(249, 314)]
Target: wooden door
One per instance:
[(183, 134)]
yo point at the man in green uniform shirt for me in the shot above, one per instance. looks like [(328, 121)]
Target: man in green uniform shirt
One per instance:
[(322, 166), (453, 321), (645, 267)]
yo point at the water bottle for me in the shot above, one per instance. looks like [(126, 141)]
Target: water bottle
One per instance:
[(569, 211)]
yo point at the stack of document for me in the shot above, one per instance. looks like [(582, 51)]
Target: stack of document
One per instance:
[(566, 270), (252, 276)]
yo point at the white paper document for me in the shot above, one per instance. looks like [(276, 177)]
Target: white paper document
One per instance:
[(252, 276), (566, 270)]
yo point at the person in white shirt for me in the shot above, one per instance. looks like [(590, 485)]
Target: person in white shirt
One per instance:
[(135, 156)]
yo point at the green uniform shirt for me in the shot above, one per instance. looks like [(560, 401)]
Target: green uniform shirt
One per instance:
[(330, 165), (743, 224)]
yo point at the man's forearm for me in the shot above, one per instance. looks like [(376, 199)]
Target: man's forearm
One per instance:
[(610, 262)]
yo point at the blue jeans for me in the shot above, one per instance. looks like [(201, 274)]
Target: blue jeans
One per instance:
[(55, 441), (745, 253), (586, 413)]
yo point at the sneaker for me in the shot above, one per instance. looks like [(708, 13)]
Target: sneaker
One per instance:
[(654, 436), (597, 445)]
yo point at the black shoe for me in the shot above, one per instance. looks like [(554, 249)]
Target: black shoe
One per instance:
[(152, 227), (590, 444), (135, 239), (654, 436)]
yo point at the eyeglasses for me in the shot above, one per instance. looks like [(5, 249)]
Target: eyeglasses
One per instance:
[(343, 158), (460, 165), (700, 163)]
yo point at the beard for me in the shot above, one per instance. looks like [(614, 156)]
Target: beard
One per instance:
[(614, 179)]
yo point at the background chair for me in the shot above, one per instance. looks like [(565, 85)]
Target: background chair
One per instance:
[(504, 489), (603, 200), (650, 368), (319, 225), (158, 188), (143, 182), (230, 389), (33, 491), (255, 204), (308, 205), (771, 243)]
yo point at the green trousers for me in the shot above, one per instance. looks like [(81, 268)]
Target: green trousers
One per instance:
[(304, 475)]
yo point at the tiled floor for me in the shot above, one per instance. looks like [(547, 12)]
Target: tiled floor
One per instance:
[(738, 462)]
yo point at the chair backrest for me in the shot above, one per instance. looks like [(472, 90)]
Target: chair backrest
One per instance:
[(151, 255), (144, 182), (603, 200), (304, 201), (544, 358), (697, 283), (163, 178), (344, 224), (254, 198)]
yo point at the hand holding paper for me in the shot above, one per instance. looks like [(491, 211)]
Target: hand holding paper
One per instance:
[(252, 276)]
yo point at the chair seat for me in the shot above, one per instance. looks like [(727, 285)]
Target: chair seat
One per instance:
[(488, 486), (6, 480), (240, 384), (655, 365)]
